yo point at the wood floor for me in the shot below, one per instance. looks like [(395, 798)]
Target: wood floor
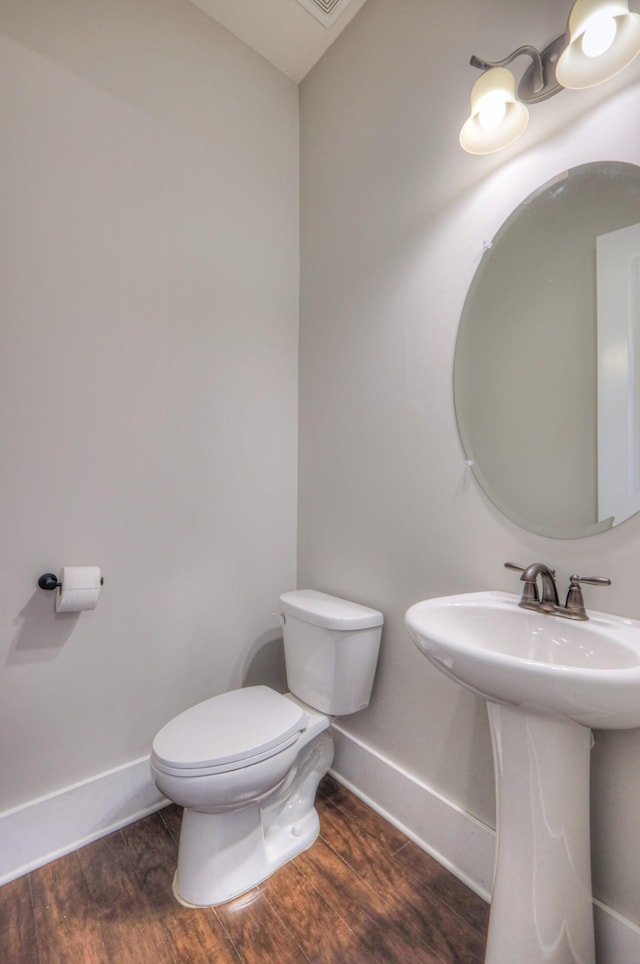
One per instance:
[(362, 893)]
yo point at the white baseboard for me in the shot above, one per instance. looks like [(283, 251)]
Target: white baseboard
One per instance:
[(49, 827), (456, 839)]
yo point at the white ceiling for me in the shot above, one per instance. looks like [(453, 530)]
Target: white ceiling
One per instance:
[(282, 31)]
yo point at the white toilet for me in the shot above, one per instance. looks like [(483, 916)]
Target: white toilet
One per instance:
[(246, 765)]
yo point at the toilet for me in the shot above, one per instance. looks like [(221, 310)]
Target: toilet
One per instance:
[(246, 764)]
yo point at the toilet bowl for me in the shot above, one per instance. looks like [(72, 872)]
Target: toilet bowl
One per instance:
[(246, 764)]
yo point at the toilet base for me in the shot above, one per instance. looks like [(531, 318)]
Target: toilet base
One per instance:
[(223, 855), (282, 848)]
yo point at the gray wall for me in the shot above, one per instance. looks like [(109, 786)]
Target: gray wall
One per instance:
[(393, 219), (148, 373)]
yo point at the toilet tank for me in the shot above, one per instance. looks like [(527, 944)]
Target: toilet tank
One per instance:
[(331, 650)]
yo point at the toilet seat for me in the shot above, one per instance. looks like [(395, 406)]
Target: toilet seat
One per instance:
[(228, 732)]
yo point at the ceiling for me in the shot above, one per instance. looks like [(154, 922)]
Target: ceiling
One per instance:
[(283, 31)]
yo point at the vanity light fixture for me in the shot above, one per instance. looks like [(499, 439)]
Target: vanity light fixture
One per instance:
[(602, 38)]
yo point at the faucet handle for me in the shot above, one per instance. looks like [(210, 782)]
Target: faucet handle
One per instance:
[(530, 589), (589, 580), (514, 565), (574, 604)]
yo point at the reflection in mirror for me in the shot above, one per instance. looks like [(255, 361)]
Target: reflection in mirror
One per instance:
[(548, 356)]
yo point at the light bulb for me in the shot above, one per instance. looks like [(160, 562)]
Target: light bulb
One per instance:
[(492, 110), (599, 35)]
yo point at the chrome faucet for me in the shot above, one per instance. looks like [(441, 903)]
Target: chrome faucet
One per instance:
[(547, 601)]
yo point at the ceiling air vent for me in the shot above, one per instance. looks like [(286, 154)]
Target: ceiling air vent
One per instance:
[(326, 11)]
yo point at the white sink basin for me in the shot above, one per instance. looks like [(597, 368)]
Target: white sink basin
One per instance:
[(588, 672)]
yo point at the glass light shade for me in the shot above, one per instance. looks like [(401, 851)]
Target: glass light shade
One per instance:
[(595, 52), (497, 118)]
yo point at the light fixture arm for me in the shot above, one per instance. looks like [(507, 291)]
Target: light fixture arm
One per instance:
[(539, 80), (527, 49)]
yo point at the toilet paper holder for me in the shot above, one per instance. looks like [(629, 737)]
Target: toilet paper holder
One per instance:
[(49, 581)]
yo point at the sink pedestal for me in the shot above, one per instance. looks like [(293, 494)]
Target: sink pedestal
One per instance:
[(542, 909)]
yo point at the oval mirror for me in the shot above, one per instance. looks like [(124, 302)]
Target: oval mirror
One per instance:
[(547, 363)]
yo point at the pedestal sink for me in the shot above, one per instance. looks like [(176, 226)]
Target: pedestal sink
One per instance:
[(547, 681)]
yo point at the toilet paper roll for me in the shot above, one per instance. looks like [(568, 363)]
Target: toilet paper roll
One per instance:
[(79, 590)]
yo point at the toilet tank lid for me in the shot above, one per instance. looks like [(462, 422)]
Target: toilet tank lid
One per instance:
[(329, 612), (234, 726)]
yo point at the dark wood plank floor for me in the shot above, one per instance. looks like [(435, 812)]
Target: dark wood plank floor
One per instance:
[(362, 893)]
